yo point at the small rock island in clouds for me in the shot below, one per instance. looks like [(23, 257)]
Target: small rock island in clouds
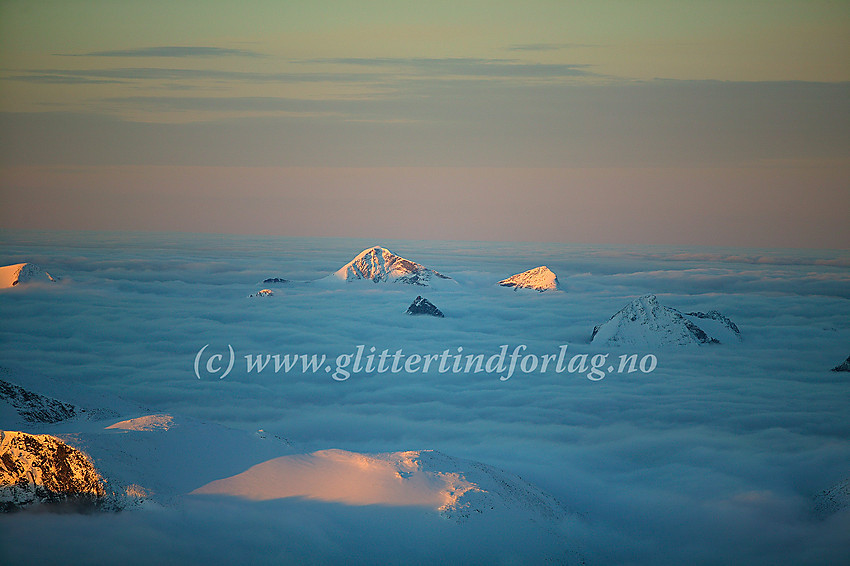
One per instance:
[(421, 305)]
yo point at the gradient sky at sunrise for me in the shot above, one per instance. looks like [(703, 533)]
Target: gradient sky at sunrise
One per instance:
[(657, 122)]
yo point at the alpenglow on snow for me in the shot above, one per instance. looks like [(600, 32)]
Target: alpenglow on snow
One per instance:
[(540, 279), (12, 275), (380, 265)]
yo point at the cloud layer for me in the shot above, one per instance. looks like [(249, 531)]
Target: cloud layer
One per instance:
[(712, 457)]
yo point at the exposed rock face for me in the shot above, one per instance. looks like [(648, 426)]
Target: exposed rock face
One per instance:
[(421, 305), (33, 407), (39, 468), (265, 293), (715, 324), (275, 280), (646, 323), (540, 279), (844, 366), (11, 275), (380, 265)]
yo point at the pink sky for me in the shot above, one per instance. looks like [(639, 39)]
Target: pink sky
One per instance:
[(659, 122), (694, 206)]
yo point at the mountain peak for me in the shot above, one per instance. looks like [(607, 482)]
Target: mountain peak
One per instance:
[(11, 275), (421, 305), (647, 323), (540, 279), (39, 468), (378, 264)]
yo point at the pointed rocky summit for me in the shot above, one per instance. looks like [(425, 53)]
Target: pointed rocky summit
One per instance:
[(421, 305), (540, 279)]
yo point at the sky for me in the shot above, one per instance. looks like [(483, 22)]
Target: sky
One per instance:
[(690, 123)]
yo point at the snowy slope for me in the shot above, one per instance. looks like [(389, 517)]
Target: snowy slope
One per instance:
[(35, 402), (15, 401), (456, 488), (161, 458), (133, 448), (169, 455), (645, 323), (380, 265), (540, 279), (11, 275), (395, 479)]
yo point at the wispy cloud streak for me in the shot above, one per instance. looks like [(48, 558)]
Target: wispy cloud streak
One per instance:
[(465, 66), (75, 76), (547, 46), (170, 51)]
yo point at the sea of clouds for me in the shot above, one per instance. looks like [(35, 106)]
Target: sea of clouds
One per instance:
[(713, 457)]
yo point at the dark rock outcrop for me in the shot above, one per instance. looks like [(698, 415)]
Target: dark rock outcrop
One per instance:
[(844, 366), (715, 315), (832, 500), (421, 305), (33, 407)]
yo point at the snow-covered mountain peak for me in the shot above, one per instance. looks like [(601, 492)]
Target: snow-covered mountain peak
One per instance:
[(646, 323), (379, 265), (40, 468), (11, 275), (540, 279), (458, 489)]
